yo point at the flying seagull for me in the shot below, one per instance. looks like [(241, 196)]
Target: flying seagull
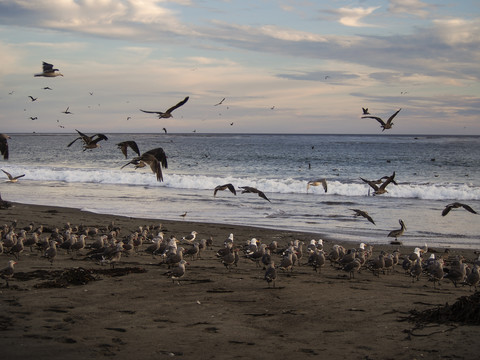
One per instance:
[(67, 111), (49, 71), (168, 113), (220, 103), (378, 190), (4, 145), (359, 212), (383, 124), (32, 98), (156, 158), (12, 178), (365, 111), (89, 142), (33, 118), (47, 88), (457, 205), (224, 187), (124, 145), (249, 189), (318, 182)]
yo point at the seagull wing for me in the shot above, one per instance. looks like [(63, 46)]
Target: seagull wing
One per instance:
[(376, 118), (18, 177), (262, 195), (47, 67), (389, 121), (160, 155), (446, 210), (8, 174), (388, 181), (371, 183), (74, 141), (153, 112), (231, 188), (468, 208), (178, 105)]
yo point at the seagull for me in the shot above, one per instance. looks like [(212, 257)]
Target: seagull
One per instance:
[(7, 272), (365, 111), (271, 274), (33, 118), (66, 111), (383, 124), (4, 145), (382, 188), (156, 158), (89, 142), (398, 232), (359, 212), (177, 272), (47, 88), (33, 99), (220, 103), (165, 130), (124, 145), (11, 178), (456, 205), (225, 187), (318, 182), (49, 71), (168, 113), (249, 189)]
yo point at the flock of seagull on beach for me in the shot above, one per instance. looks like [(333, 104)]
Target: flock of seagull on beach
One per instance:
[(156, 159), (110, 244)]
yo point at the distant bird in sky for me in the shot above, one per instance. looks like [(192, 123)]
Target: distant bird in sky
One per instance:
[(365, 111), (378, 190), (124, 145), (457, 205), (165, 130), (11, 178), (90, 92), (249, 189), (359, 212), (33, 118), (4, 145), (32, 98), (47, 88), (383, 124), (11, 92), (67, 111), (231, 124), (89, 142), (220, 103), (168, 113), (225, 187), (156, 158), (318, 182), (128, 118), (49, 71)]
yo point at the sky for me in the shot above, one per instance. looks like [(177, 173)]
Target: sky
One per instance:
[(287, 66)]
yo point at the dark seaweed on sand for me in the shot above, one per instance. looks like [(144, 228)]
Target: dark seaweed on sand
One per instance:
[(465, 311)]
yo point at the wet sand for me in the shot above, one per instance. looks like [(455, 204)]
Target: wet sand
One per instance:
[(135, 311)]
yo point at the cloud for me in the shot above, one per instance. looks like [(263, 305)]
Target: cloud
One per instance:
[(352, 16), (411, 7)]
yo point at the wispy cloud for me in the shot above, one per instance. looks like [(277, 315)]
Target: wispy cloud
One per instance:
[(353, 16), (410, 7)]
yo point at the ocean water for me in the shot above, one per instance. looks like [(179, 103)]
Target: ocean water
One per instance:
[(431, 172)]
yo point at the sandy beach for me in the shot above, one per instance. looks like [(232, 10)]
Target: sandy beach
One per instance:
[(135, 311)]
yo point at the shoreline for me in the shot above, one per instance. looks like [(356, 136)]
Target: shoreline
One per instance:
[(216, 313)]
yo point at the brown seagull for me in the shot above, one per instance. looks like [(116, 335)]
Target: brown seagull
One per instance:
[(224, 187), (156, 158), (249, 189), (89, 142), (382, 188), (359, 212), (124, 145), (168, 113), (457, 205), (383, 124), (12, 178)]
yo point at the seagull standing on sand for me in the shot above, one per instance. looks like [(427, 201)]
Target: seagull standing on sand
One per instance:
[(457, 205), (11, 178), (49, 71), (383, 124), (4, 145), (318, 182), (168, 113), (7, 272), (177, 272), (270, 274), (225, 187)]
